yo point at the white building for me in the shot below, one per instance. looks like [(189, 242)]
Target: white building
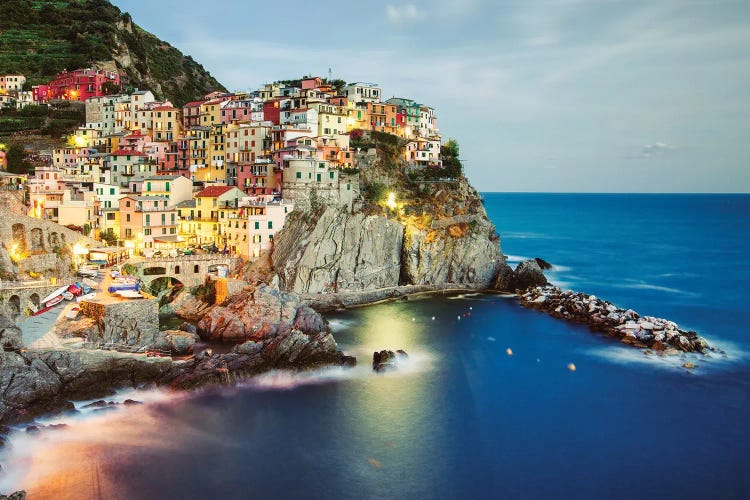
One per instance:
[(363, 92)]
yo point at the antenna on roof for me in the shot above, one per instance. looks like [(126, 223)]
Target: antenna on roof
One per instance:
[(330, 75)]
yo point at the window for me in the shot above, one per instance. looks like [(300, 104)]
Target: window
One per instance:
[(299, 175), (127, 218), (270, 224), (257, 225), (317, 177), (196, 269), (330, 175), (147, 232), (148, 219), (112, 191)]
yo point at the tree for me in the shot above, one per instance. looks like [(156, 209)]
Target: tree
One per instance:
[(450, 149), (86, 229), (109, 237), (110, 88), (17, 160)]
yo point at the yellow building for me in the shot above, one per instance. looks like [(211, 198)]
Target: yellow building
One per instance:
[(357, 118), (208, 204), (332, 119), (166, 123)]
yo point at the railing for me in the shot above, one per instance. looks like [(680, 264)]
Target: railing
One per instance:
[(20, 285), (179, 258)]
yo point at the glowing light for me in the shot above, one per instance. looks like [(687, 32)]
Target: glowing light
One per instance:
[(79, 249), (509, 351), (571, 367), (391, 202), (15, 252)]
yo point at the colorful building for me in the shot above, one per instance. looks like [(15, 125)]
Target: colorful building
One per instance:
[(77, 85)]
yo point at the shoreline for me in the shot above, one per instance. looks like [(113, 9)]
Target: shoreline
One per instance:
[(128, 371)]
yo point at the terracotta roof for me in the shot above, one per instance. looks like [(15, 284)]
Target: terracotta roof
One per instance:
[(193, 104), (213, 191)]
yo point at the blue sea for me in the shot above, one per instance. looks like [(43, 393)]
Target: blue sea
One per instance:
[(485, 406)]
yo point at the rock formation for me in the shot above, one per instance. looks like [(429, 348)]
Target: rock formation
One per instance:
[(385, 361), (435, 239), (626, 325), (527, 274), (338, 251), (258, 314)]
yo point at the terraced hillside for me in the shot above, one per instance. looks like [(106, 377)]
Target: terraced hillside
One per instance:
[(39, 38)]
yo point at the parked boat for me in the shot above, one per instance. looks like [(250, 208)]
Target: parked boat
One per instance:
[(124, 286), (54, 295)]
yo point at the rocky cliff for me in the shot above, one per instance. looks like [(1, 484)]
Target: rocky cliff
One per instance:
[(436, 234)]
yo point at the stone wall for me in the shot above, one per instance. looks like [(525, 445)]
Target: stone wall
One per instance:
[(14, 300), (37, 236), (227, 287), (133, 323)]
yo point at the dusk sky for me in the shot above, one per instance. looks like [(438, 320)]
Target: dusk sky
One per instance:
[(552, 95)]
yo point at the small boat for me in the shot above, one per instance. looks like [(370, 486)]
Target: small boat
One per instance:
[(89, 283), (129, 294), (73, 313), (54, 294), (68, 295), (88, 296), (52, 302), (124, 286)]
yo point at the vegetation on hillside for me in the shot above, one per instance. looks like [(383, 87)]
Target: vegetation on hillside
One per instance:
[(40, 38), (54, 121)]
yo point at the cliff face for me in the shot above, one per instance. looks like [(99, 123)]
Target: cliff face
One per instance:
[(441, 238), (338, 251)]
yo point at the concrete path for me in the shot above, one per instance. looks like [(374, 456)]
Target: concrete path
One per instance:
[(34, 328)]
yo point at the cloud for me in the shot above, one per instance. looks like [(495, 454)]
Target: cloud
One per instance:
[(656, 148), (402, 14), (650, 151)]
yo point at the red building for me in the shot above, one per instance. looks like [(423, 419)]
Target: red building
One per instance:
[(76, 85), (272, 111)]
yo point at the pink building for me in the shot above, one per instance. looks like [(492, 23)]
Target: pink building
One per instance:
[(312, 82), (77, 85)]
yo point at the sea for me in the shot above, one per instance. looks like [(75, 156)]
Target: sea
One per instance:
[(486, 405)]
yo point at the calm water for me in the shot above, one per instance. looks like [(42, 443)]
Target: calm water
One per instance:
[(463, 419)]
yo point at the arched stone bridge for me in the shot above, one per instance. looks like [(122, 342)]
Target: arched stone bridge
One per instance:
[(16, 298), (190, 270)]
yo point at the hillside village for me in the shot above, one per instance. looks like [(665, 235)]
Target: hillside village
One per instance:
[(220, 174)]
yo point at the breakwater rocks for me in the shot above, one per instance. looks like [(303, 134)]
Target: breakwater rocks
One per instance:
[(602, 316)]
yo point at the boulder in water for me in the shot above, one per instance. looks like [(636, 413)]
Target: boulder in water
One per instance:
[(546, 266), (529, 274), (385, 360)]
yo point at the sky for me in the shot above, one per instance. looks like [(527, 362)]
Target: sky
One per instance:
[(542, 95)]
